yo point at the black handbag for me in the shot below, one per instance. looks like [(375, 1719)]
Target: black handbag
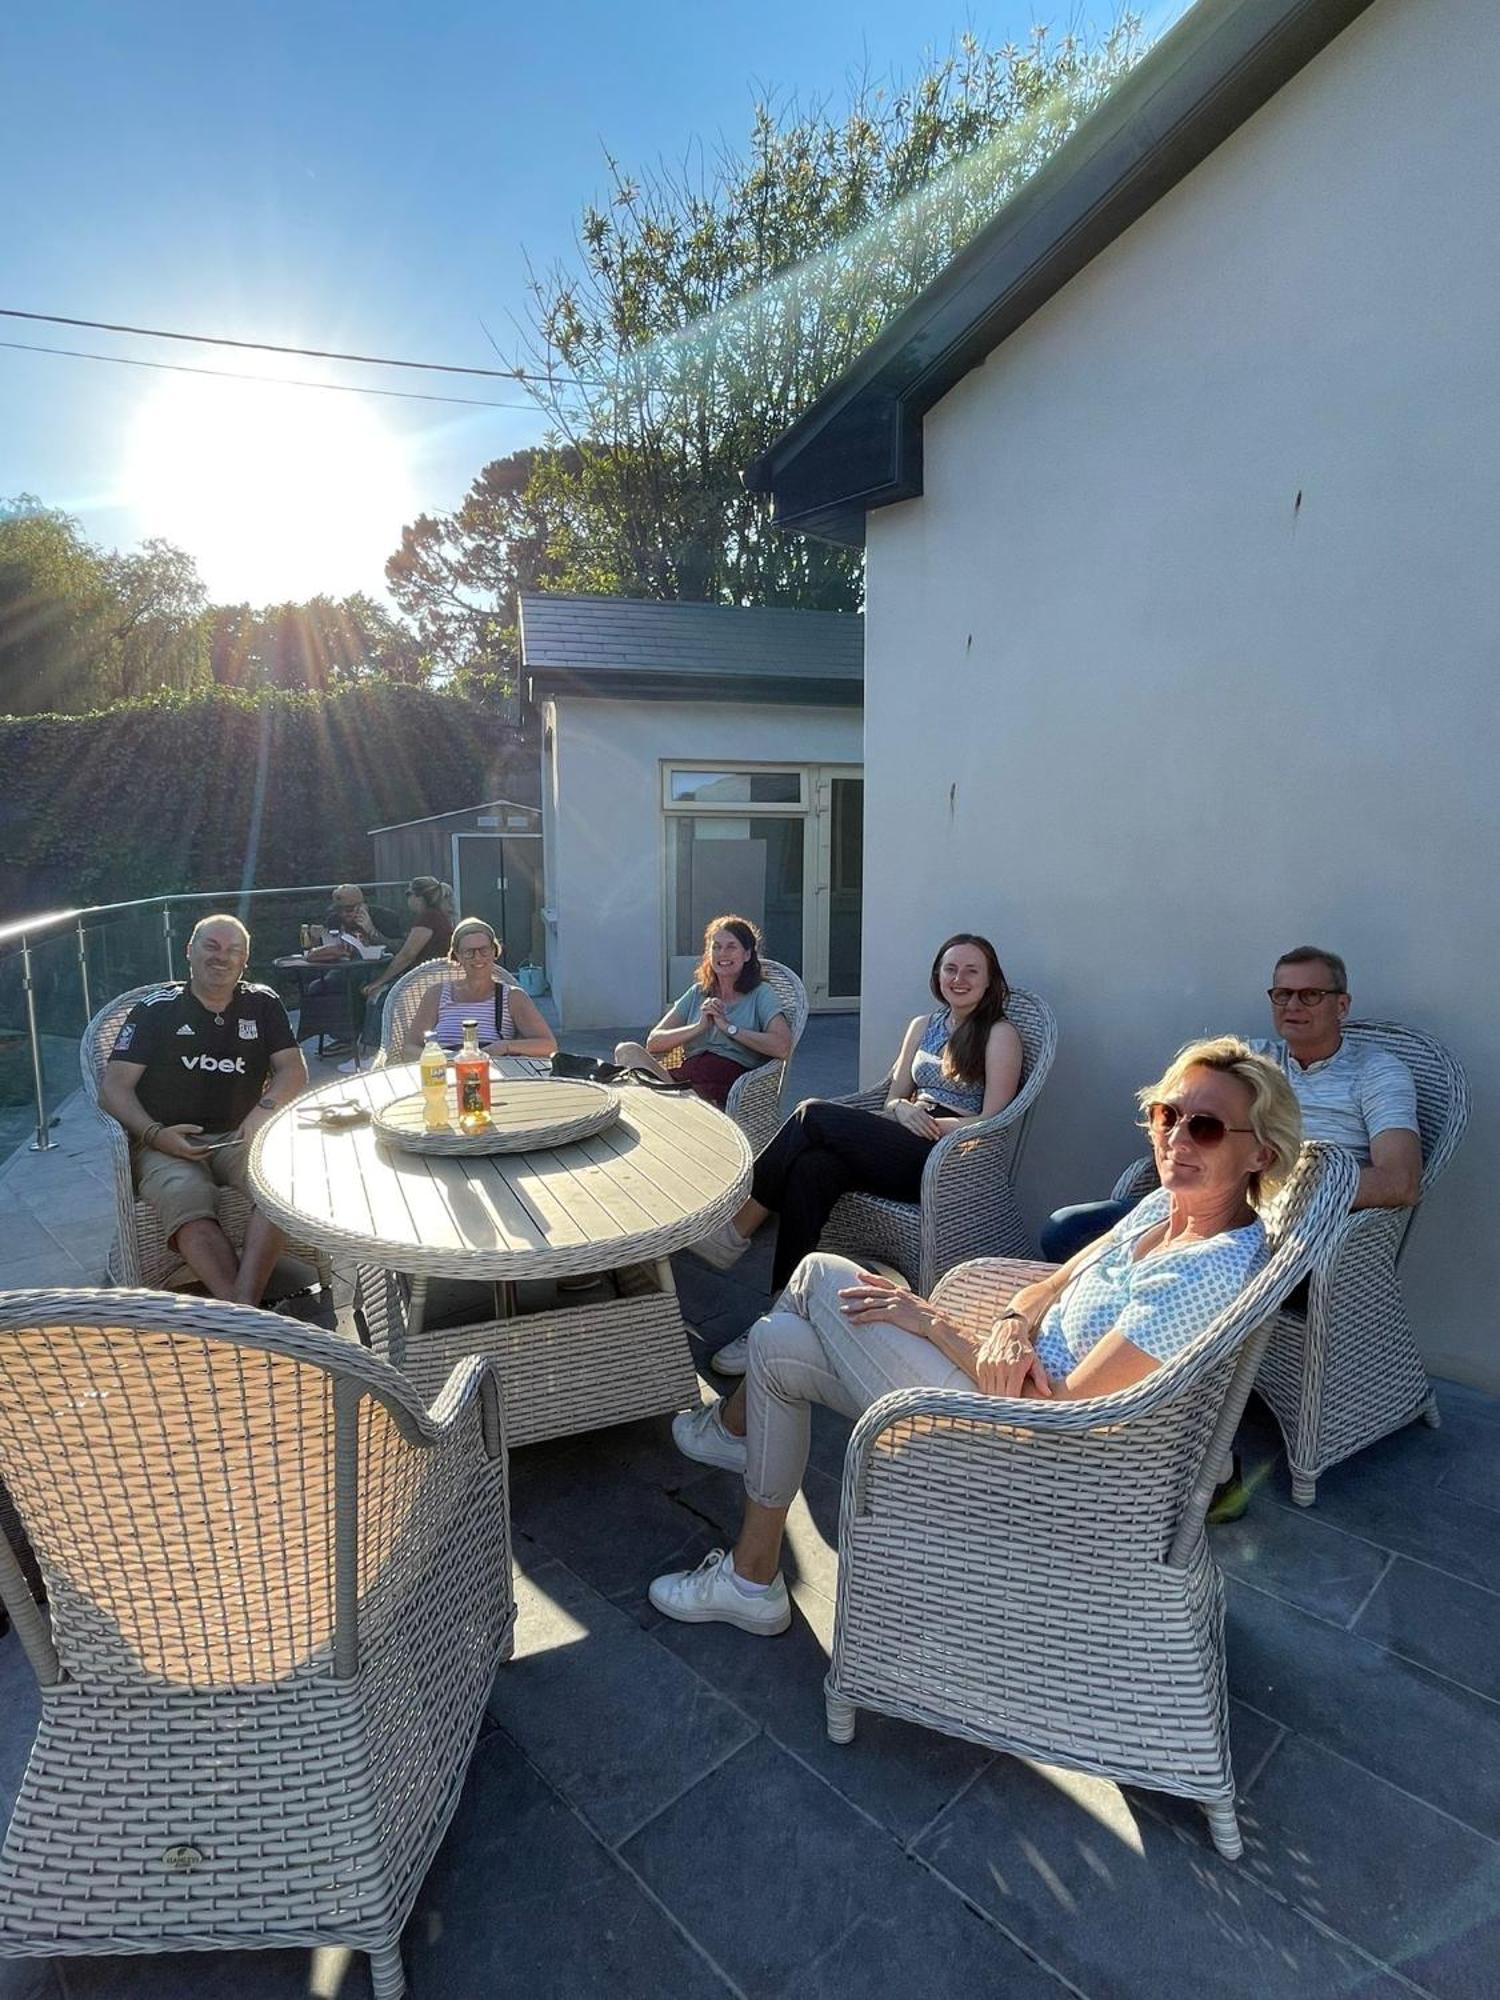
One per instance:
[(594, 1069)]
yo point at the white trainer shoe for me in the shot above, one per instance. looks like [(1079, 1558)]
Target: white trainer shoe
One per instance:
[(708, 1595), (733, 1358), (723, 1249), (700, 1434)]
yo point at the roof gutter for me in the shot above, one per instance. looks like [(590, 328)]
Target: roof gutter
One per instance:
[(860, 445)]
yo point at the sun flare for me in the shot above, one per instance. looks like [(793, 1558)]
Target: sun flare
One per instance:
[(278, 492)]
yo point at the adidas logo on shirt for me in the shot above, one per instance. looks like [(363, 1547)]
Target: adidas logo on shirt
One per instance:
[(186, 1028)]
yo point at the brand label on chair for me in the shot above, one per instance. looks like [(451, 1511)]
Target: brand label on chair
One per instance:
[(183, 1859)]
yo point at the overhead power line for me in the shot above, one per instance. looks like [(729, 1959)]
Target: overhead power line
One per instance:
[(270, 347), (275, 381)]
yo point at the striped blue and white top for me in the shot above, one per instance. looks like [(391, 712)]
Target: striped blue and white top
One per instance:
[(1351, 1096)]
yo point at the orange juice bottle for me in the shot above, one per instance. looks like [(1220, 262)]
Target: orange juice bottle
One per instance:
[(434, 1084), (471, 1069)]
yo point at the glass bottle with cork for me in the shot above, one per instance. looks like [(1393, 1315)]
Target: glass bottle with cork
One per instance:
[(434, 1069), (471, 1068)]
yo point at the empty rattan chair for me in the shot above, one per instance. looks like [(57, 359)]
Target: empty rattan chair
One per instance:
[(968, 1205), (1345, 1370), (279, 1590), (140, 1254), (1035, 1576)]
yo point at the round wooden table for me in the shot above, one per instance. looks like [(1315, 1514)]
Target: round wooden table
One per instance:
[(612, 1207)]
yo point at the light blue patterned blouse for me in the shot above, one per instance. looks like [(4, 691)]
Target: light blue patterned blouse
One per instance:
[(1160, 1304), (929, 1079)]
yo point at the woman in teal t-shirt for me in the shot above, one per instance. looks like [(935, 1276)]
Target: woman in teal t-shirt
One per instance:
[(728, 1021)]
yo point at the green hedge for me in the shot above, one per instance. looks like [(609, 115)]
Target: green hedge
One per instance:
[(157, 796)]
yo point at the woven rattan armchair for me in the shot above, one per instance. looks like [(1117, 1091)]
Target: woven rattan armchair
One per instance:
[(279, 1589), (968, 1205), (1035, 1576), (1345, 1371), (754, 1101), (405, 997), (140, 1254)]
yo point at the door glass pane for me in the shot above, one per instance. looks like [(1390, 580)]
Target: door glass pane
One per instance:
[(846, 876), (736, 788), (744, 867)]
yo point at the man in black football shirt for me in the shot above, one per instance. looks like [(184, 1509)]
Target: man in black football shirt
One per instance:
[(195, 1066)]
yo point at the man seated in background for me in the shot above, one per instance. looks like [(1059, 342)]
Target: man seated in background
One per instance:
[(349, 916), (1351, 1095), (195, 1071)]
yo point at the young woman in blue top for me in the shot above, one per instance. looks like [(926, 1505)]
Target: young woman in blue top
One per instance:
[(960, 1062), (729, 1020), (1225, 1129)]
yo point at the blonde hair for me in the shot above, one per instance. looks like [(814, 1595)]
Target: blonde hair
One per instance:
[(1275, 1114)]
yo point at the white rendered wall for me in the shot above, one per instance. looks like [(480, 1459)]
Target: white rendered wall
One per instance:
[(606, 861), (1190, 720)]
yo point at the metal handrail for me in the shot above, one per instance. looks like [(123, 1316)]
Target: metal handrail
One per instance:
[(29, 930)]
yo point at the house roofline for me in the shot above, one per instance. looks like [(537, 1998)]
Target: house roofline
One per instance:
[(859, 445), (643, 684)]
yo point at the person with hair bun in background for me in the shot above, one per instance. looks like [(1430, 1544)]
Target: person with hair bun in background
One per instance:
[(430, 903)]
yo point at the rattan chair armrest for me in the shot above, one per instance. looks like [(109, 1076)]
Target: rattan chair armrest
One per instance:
[(872, 1099), (958, 1153), (974, 1293), (1138, 1179), (474, 1379)]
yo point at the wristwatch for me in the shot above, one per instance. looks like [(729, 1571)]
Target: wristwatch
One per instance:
[(732, 1031)]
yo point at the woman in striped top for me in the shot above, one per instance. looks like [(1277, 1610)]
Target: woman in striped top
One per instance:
[(509, 1019)]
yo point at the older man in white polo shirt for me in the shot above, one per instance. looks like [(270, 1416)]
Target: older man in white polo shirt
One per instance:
[(1351, 1095)]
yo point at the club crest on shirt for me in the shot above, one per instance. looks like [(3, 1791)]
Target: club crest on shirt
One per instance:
[(249, 1031)]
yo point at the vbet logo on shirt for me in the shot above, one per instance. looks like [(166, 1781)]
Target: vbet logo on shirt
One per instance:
[(225, 1065)]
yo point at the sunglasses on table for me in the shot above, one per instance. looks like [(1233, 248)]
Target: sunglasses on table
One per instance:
[(1309, 996), (1204, 1128)]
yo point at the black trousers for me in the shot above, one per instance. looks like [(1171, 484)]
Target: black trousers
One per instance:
[(824, 1151)]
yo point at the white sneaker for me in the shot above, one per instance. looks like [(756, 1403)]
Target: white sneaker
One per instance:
[(350, 1068), (700, 1434), (708, 1595), (724, 1248), (733, 1358)]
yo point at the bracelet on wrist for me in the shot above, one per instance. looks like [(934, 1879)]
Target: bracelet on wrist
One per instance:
[(148, 1137)]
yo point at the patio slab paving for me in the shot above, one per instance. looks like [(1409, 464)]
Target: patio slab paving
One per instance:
[(655, 1809)]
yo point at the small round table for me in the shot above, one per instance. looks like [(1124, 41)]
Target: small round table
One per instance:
[(345, 992), (612, 1207)]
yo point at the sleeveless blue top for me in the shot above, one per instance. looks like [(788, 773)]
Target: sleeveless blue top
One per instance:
[(929, 1078)]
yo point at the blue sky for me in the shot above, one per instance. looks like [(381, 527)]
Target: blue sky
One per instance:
[(368, 177)]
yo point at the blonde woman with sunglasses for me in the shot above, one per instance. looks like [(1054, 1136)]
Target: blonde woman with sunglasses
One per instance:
[(1225, 1129)]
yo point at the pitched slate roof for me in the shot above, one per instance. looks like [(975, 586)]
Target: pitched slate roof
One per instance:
[(633, 648), (860, 444)]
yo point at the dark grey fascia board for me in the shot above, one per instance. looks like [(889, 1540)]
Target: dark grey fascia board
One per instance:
[(859, 446), (622, 684)]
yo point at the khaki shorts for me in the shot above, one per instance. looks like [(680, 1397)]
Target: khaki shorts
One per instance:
[(182, 1191)]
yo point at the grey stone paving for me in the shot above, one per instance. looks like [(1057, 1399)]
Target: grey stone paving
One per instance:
[(655, 1809)]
